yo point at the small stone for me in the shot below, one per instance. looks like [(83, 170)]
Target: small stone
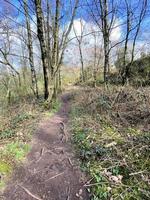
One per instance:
[(114, 178), (77, 194), (80, 191), (120, 177), (109, 189)]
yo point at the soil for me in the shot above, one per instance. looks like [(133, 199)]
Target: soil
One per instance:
[(51, 171)]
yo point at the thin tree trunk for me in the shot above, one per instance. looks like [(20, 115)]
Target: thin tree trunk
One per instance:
[(55, 33), (59, 81), (106, 41), (82, 64), (54, 61), (48, 36), (30, 48), (127, 66), (106, 59), (40, 28), (106, 35)]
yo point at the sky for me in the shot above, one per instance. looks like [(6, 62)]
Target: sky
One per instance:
[(72, 53)]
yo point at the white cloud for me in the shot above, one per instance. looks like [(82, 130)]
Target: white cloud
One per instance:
[(116, 32), (91, 36)]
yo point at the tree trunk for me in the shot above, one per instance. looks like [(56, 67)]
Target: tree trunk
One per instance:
[(40, 28), (54, 61), (106, 61), (30, 48), (106, 34), (59, 81), (48, 37), (82, 64)]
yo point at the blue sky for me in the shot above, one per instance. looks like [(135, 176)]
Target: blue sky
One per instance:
[(143, 38), (82, 11)]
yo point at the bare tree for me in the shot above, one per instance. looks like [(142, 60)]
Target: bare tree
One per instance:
[(80, 41), (103, 13), (58, 40), (6, 62), (98, 57), (133, 24), (5, 53), (30, 49)]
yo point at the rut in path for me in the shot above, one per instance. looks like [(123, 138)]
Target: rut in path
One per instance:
[(50, 172)]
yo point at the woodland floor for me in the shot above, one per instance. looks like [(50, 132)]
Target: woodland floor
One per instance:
[(51, 171)]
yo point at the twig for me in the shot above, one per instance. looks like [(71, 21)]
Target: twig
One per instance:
[(29, 193), (70, 162), (93, 184), (116, 98), (135, 173), (122, 119), (68, 196), (55, 176), (41, 153), (88, 182)]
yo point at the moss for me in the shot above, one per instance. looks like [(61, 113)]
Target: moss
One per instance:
[(10, 156), (2, 185), (5, 171), (5, 168)]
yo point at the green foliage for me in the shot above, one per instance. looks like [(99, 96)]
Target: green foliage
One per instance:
[(5, 168), (20, 117), (139, 71), (17, 150), (16, 121), (10, 155), (99, 190), (55, 106), (52, 107), (8, 133)]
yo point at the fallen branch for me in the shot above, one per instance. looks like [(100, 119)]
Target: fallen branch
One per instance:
[(55, 176), (135, 173), (70, 162), (29, 193), (93, 184)]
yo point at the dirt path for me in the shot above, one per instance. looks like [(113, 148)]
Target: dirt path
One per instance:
[(50, 172)]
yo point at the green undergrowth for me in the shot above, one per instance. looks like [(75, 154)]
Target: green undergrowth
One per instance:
[(54, 107), (11, 155), (16, 130), (15, 123), (15, 135), (116, 159)]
